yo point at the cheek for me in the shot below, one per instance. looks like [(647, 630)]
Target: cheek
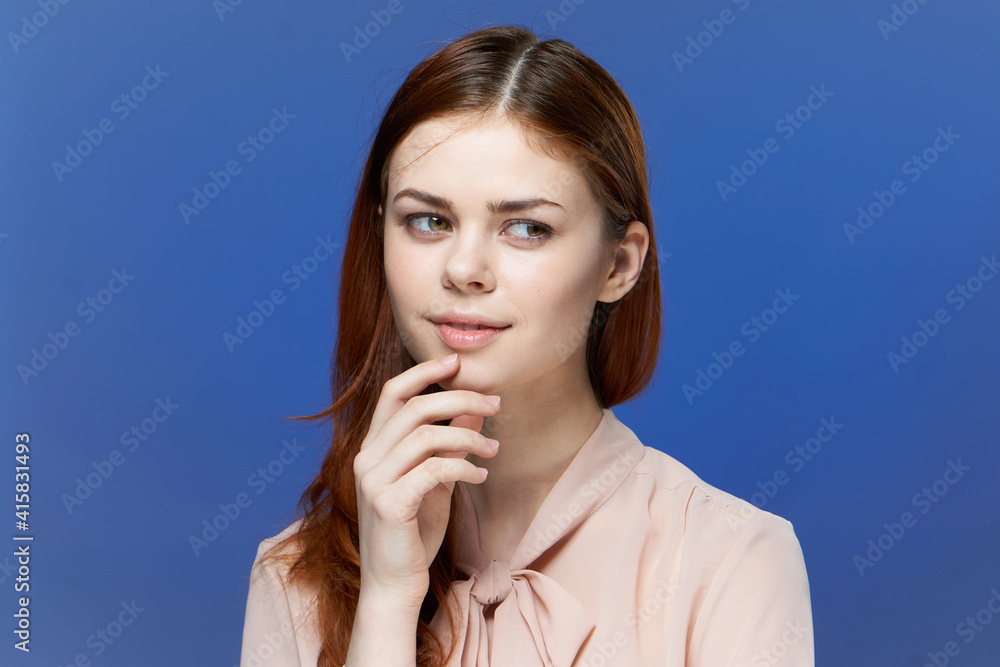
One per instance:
[(402, 271), (395, 270), (413, 280), (557, 292)]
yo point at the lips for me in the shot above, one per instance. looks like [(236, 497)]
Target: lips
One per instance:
[(467, 335), (467, 321), (470, 327)]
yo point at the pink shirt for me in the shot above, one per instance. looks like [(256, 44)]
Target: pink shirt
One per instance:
[(631, 560)]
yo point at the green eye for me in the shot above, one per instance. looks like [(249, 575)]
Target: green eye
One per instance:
[(410, 223)]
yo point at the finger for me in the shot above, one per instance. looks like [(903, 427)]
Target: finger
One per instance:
[(474, 422), (397, 391), (407, 493), (471, 422), (425, 442), (426, 409)]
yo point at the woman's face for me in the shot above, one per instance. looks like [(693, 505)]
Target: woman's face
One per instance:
[(468, 229)]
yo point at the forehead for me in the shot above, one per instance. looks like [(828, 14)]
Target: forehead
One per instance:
[(483, 160)]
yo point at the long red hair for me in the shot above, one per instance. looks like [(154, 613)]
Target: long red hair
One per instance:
[(568, 106)]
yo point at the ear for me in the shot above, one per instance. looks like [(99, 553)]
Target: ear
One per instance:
[(626, 264)]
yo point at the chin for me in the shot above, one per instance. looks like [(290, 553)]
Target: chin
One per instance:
[(471, 379)]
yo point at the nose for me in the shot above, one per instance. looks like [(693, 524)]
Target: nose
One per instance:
[(468, 262)]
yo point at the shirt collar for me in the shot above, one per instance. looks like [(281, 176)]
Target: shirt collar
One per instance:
[(594, 474), (535, 610)]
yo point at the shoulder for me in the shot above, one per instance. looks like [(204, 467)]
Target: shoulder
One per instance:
[(670, 487), (278, 538), (733, 554), (716, 519), (738, 568), (271, 570), (280, 614), (275, 554)]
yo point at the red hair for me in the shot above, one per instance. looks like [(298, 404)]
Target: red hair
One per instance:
[(569, 107)]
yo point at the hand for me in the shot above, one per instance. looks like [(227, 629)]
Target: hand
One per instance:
[(405, 473)]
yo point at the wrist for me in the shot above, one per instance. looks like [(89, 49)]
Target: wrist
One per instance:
[(385, 605), (384, 633), (388, 601)]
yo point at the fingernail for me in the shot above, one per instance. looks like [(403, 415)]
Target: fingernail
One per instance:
[(493, 400), (450, 359)]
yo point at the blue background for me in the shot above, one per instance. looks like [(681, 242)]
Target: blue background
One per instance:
[(722, 258)]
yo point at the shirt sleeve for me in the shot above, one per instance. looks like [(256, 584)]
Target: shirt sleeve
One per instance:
[(757, 611), (268, 633)]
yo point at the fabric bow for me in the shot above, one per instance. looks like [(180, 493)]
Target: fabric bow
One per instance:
[(537, 623)]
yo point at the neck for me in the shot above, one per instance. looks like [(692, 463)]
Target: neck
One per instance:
[(540, 431)]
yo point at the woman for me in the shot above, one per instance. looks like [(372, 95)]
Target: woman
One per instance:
[(498, 286)]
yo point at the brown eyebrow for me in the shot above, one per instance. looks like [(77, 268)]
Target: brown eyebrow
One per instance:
[(502, 206)]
